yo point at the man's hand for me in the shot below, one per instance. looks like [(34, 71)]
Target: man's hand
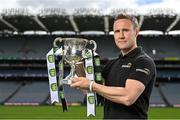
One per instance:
[(80, 83)]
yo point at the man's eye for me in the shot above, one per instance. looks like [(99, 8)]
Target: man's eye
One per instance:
[(117, 31), (125, 30)]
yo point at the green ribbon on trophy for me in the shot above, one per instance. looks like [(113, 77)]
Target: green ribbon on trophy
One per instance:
[(52, 76), (98, 76), (56, 87), (91, 96), (93, 72)]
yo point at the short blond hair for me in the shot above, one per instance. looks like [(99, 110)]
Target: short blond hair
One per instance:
[(133, 19)]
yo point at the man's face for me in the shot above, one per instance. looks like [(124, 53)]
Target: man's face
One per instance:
[(125, 35)]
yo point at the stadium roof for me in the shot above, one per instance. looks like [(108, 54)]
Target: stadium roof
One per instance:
[(81, 23)]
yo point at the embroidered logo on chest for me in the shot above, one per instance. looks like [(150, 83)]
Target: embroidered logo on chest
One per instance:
[(127, 66)]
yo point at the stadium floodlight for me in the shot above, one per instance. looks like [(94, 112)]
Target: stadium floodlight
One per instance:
[(116, 11), (15, 11), (174, 32), (52, 11), (150, 32), (92, 33), (161, 11), (87, 11), (111, 33), (63, 33), (35, 32), (29, 32)]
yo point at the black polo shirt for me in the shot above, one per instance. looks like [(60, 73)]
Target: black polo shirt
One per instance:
[(135, 65)]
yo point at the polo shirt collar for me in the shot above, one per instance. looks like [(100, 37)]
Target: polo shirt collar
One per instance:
[(132, 53)]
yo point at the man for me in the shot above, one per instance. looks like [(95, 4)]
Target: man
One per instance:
[(129, 79)]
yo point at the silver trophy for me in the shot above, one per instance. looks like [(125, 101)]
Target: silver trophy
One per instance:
[(73, 50)]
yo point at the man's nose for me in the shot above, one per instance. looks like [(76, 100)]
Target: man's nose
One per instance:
[(121, 35)]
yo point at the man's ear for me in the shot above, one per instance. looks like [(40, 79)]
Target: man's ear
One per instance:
[(137, 32)]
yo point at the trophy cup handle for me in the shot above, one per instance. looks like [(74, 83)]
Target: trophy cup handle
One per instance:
[(95, 45), (56, 40)]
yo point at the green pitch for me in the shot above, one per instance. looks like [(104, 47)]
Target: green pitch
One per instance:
[(74, 112)]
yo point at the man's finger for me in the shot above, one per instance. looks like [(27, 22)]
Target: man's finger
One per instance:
[(74, 83)]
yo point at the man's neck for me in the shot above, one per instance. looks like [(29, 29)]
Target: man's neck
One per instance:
[(126, 51)]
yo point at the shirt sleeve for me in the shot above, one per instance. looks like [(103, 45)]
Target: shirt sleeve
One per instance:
[(143, 70)]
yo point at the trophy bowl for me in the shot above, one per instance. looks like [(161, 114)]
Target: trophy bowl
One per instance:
[(73, 53)]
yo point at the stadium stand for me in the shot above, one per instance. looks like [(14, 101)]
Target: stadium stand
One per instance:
[(23, 72), (6, 90), (31, 92), (156, 98)]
